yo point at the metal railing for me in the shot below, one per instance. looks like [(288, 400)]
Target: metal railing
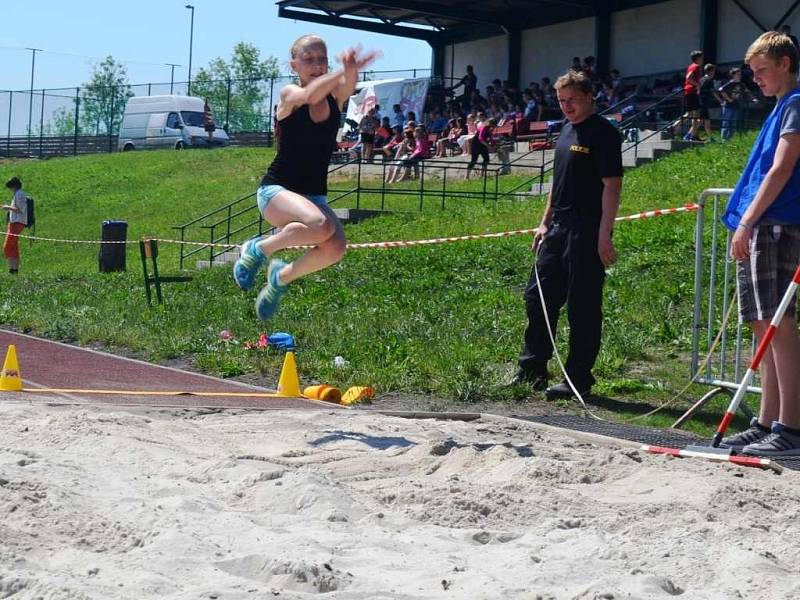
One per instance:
[(28, 118), (714, 287), (227, 226)]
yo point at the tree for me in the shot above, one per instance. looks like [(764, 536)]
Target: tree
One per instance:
[(245, 79), (62, 122), (104, 96)]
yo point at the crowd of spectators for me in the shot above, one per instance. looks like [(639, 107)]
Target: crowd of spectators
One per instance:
[(455, 114), (535, 102)]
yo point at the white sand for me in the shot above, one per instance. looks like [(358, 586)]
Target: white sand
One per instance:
[(142, 503)]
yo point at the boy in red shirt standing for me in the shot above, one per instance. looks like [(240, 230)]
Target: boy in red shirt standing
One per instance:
[(691, 94)]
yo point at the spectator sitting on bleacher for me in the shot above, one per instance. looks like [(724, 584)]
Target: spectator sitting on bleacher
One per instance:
[(612, 94), (532, 108), (588, 68), (437, 122), (411, 117), (457, 129), (422, 150), (475, 101), (398, 119), (616, 83), (465, 139), (390, 147), (404, 149), (384, 133), (577, 65), (601, 100)]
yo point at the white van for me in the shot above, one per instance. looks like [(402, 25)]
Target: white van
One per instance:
[(167, 122)]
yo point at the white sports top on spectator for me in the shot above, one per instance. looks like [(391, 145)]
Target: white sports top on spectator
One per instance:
[(20, 202)]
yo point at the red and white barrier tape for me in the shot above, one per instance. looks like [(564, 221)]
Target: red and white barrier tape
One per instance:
[(393, 244)]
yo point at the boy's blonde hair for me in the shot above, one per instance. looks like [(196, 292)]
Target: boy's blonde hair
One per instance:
[(774, 45), (306, 40), (577, 79)]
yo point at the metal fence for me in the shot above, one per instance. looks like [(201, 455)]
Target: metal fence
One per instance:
[(715, 318), (48, 122)]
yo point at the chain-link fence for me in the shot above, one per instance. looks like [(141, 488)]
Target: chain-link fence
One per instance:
[(80, 120)]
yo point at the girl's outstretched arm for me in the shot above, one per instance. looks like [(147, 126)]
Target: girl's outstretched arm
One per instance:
[(352, 62)]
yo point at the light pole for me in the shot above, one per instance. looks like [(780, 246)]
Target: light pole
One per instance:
[(30, 104), (171, 75), (191, 42)]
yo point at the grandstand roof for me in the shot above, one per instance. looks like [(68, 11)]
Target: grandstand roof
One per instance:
[(447, 21)]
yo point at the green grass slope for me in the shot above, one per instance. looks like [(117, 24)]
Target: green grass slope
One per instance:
[(444, 319)]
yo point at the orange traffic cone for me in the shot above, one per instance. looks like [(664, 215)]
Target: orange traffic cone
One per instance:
[(326, 393), (289, 381), (10, 378)]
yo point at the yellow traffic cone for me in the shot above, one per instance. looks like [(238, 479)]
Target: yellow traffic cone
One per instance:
[(289, 382), (10, 379), (356, 394), (326, 393)]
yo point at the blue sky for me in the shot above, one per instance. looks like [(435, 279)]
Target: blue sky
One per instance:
[(145, 34)]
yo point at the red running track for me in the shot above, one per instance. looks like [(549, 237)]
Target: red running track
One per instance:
[(47, 364)]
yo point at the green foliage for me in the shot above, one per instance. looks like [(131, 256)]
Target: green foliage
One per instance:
[(103, 98), (243, 79), (62, 122), (445, 320)]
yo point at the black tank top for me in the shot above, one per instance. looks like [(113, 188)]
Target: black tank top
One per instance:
[(304, 151)]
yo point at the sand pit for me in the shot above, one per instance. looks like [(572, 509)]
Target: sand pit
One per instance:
[(143, 503)]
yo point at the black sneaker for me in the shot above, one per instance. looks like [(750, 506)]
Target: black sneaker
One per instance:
[(779, 443), (752, 435), (563, 390), (536, 381)]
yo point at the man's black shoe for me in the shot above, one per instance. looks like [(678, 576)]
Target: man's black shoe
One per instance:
[(562, 390), (537, 382)]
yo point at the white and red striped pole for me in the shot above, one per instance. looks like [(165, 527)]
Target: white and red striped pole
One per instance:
[(760, 351)]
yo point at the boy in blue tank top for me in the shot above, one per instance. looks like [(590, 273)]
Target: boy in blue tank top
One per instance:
[(764, 212), (292, 195)]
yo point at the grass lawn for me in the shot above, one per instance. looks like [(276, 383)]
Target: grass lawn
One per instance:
[(445, 320)]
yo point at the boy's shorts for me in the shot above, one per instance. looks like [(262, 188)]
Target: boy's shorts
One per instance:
[(762, 279), (268, 192)]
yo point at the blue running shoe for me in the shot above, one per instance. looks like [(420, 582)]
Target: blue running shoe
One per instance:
[(247, 265), (270, 295)]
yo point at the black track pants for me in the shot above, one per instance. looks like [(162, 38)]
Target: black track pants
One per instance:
[(570, 271)]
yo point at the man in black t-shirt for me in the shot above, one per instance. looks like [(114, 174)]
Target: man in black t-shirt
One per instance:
[(573, 241)]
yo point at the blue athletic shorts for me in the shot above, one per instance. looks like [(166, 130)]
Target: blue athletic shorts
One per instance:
[(268, 192)]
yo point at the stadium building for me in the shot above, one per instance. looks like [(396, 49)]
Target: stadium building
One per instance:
[(525, 40)]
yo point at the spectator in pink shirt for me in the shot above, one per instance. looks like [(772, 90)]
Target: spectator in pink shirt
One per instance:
[(422, 150), (481, 144)]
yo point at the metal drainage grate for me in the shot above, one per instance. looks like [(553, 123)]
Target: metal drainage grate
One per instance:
[(643, 435)]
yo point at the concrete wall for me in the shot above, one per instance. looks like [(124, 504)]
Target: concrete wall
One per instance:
[(655, 38), (548, 51), (651, 39), (488, 57), (737, 30)]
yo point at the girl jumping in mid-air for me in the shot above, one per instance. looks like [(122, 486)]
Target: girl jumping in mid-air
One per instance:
[(292, 195)]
